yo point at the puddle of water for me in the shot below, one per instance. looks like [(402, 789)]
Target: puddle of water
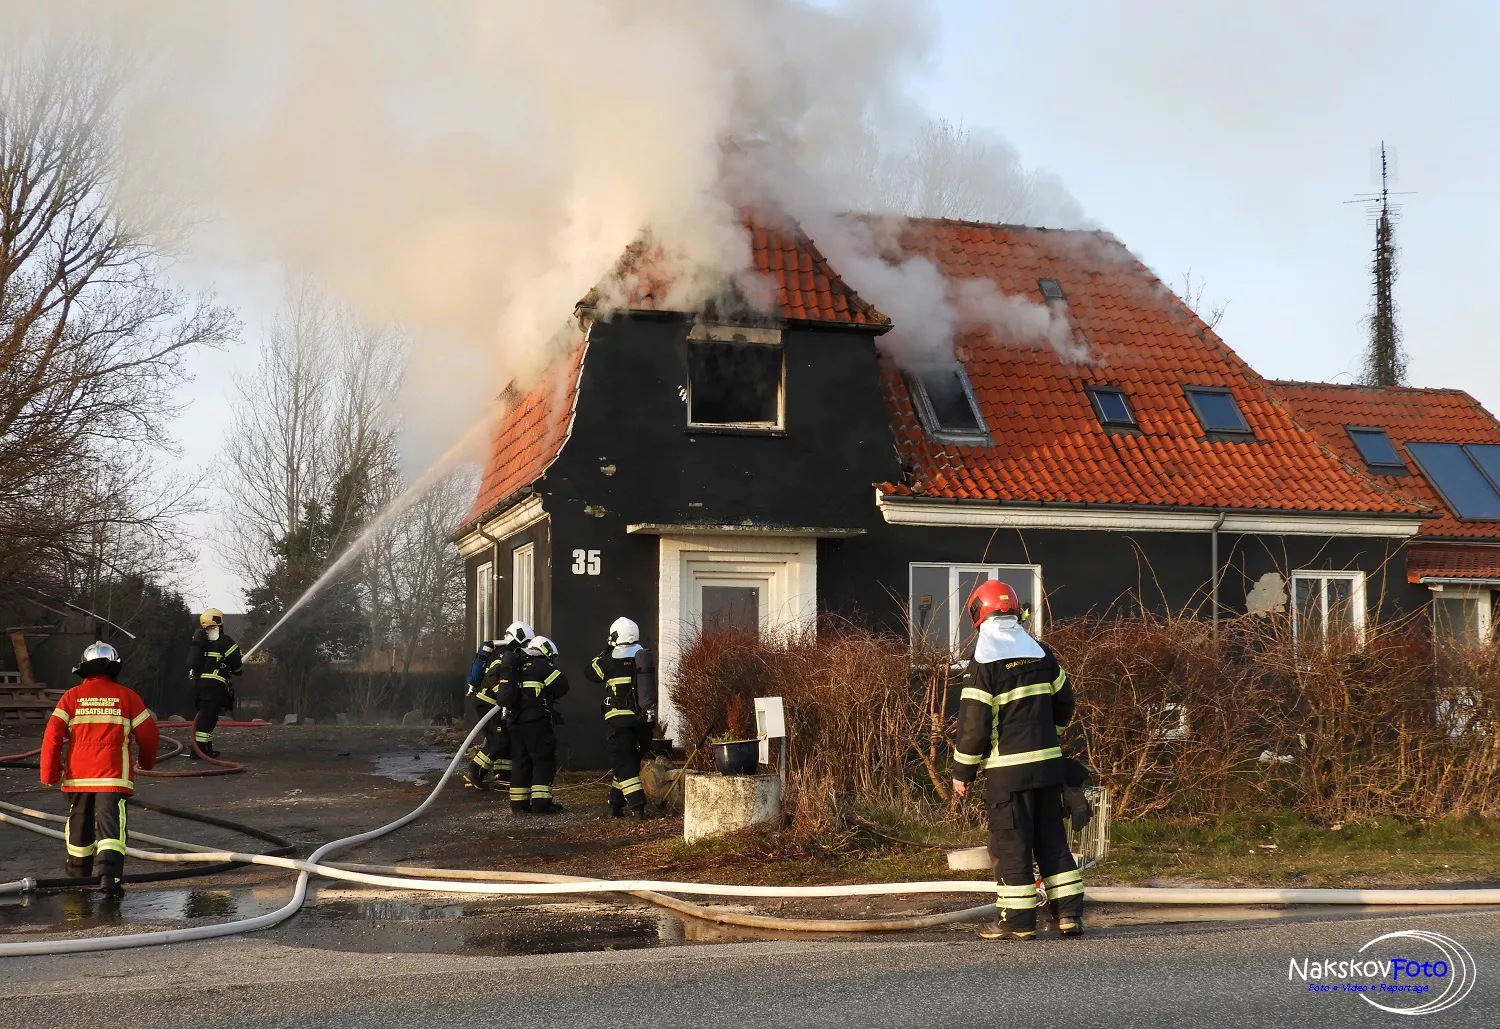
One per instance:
[(412, 768), (79, 909)]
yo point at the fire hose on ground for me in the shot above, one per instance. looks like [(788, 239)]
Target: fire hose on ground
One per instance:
[(491, 883)]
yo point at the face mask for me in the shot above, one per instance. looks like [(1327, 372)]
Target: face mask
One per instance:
[(213, 632)]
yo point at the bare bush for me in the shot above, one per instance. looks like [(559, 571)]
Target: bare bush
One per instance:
[(1175, 723)]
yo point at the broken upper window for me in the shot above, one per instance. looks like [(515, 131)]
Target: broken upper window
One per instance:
[(945, 402), (736, 379)]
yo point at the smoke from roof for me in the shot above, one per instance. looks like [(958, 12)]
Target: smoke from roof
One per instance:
[(470, 169)]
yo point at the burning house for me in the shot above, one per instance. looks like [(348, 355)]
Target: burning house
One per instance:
[(758, 470)]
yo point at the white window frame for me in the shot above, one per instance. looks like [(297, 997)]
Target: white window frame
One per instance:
[(523, 584), (1356, 599), (484, 603), (1481, 595), (956, 632), (702, 333)]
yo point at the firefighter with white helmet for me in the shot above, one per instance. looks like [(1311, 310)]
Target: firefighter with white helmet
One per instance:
[(1016, 699), (86, 749), (501, 660), (628, 673), (528, 699), (212, 659)]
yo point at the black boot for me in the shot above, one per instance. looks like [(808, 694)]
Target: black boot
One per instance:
[(520, 807), (80, 868), (474, 778), (639, 813), (545, 807), (193, 754), (113, 888)]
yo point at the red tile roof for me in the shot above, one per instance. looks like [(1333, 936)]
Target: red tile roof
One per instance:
[(1048, 443), (530, 434), (1452, 561), (805, 286), (1407, 415)]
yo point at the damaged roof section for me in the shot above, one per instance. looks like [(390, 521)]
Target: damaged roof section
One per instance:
[(802, 286), (1124, 330)]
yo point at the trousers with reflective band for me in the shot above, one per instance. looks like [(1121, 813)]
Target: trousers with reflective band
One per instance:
[(1027, 831), (627, 744), (96, 831)]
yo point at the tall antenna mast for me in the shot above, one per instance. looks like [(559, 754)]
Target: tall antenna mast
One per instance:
[(1385, 359)]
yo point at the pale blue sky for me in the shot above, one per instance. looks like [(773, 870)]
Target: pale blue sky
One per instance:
[(1221, 137)]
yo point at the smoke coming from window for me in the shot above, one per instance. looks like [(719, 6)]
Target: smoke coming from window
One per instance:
[(470, 169)]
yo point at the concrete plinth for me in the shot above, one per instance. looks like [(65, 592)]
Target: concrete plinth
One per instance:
[(717, 804), (970, 859)]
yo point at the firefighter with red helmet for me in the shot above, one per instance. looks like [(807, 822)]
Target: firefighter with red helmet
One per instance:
[(94, 723), (1016, 700)]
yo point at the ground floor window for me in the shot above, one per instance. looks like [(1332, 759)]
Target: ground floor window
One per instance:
[(484, 603), (939, 591), (1461, 616), (523, 585), (1326, 604)]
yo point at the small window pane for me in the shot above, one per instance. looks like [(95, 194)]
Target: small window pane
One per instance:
[(948, 400), (1376, 447), (523, 585), (1050, 289), (731, 608), (1458, 478), (484, 603), (930, 607), (1340, 606), (1112, 407), (734, 383), (1308, 597), (1457, 619), (968, 582), (1217, 411)]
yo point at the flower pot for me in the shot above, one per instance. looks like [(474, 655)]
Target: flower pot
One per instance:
[(737, 757)]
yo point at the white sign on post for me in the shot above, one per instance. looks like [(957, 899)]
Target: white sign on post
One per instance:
[(770, 723)]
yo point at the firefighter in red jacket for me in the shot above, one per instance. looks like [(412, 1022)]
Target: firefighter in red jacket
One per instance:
[(1015, 702), (97, 719)]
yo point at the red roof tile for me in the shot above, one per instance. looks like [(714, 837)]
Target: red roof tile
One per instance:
[(805, 286), (530, 434), (1408, 415), (1049, 445), (1452, 561)]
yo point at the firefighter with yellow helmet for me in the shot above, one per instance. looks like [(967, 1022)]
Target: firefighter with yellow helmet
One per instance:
[(212, 659)]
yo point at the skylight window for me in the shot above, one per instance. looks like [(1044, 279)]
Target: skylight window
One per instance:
[(1216, 409), (1111, 406), (945, 402), (1050, 289), (1459, 473), (1376, 448)]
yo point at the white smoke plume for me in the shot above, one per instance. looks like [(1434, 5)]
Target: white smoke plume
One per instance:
[(469, 169)]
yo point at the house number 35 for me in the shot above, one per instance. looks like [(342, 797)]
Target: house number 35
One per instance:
[(585, 562)]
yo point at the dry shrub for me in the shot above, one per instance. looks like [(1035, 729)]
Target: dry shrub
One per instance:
[(1176, 722), (864, 727)]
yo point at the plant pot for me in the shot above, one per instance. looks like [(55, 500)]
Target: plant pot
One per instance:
[(737, 757)]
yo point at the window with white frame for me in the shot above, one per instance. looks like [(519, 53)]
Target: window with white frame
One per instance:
[(484, 603), (1326, 604), (523, 585), (939, 592), (1461, 616)]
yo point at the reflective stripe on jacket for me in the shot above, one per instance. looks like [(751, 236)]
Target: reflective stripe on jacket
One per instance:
[(96, 719)]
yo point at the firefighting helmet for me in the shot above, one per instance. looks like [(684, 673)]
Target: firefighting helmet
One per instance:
[(99, 658), (211, 617), (543, 646), (623, 631), (517, 634), (993, 598)]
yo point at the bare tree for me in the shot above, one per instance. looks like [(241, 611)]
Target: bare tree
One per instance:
[(91, 337), (1191, 291)]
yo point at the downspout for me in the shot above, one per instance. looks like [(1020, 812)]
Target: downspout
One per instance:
[(1214, 556)]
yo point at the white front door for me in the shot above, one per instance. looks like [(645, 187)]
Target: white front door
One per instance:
[(729, 580)]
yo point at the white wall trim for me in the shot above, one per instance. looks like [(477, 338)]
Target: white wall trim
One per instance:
[(788, 565), (922, 511), (511, 521)]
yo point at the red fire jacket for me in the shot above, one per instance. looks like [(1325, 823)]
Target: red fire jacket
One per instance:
[(98, 717)]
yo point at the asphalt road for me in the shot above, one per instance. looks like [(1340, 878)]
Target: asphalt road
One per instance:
[(1159, 976)]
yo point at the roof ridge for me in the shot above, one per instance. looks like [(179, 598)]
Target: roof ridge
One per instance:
[(932, 220), (1363, 386)]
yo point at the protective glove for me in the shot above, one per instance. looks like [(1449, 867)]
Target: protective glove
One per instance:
[(1080, 811)]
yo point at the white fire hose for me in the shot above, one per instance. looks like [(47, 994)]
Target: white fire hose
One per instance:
[(559, 885)]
